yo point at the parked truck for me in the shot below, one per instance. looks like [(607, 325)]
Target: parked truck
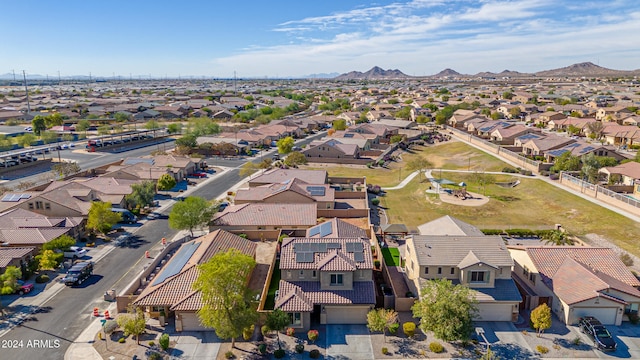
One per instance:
[(78, 273)]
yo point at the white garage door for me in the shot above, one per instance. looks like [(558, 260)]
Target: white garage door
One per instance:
[(346, 314), (191, 322), (606, 316), (494, 312)]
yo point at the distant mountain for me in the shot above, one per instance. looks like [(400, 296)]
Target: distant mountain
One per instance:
[(582, 69), (321, 75), (446, 73), (373, 74), (503, 74)]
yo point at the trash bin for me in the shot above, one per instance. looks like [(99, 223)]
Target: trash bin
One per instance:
[(110, 295)]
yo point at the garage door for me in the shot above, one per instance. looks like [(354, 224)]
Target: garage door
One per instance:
[(606, 316), (191, 322), (346, 314), (494, 312)]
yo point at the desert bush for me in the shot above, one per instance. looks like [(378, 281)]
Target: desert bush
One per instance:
[(626, 259), (229, 355), (385, 351), (247, 333), (542, 349), (299, 348), (265, 330), (121, 340), (375, 201), (154, 356), (42, 278), (152, 343), (314, 354), (164, 341), (110, 326), (279, 354), (576, 341), (290, 331), (436, 347), (393, 328), (409, 329), (312, 335), (262, 348)]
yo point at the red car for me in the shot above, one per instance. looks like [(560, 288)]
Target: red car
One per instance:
[(198, 175), (24, 288)]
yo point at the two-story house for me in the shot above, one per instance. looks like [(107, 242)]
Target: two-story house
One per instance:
[(465, 257), (325, 280)]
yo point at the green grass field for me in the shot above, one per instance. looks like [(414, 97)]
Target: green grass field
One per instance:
[(270, 303), (391, 256)]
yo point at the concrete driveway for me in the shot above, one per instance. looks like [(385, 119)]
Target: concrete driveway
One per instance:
[(628, 338), (196, 345), (505, 340), (348, 342)]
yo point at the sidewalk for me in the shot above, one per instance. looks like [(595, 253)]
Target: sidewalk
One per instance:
[(82, 347)]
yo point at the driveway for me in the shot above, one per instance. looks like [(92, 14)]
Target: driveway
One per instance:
[(195, 345), (348, 342), (628, 338), (506, 341)]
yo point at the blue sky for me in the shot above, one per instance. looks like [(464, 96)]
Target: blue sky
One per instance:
[(296, 38)]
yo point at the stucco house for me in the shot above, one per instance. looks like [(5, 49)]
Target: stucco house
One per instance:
[(465, 256), (325, 280), (576, 281)]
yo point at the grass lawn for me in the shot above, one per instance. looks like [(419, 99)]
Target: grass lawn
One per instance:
[(270, 303), (391, 256), (451, 155), (533, 203)]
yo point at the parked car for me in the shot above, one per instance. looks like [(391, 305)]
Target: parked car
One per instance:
[(594, 329), (24, 288), (75, 252), (78, 273), (223, 205), (28, 128), (198, 175), (122, 240)]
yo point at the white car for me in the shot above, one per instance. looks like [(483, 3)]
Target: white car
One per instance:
[(75, 252), (28, 128)]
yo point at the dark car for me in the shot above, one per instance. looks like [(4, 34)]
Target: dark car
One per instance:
[(601, 337)]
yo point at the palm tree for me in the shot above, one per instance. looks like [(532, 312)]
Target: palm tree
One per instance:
[(557, 237)]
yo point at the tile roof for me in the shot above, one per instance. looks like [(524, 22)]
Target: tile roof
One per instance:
[(30, 236), (259, 214), (630, 169), (7, 254), (300, 296), (314, 177), (341, 229), (296, 185), (20, 218), (548, 259), (176, 289), (503, 290), (338, 260), (449, 225), (453, 251)]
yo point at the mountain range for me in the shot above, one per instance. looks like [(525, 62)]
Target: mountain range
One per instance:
[(587, 69)]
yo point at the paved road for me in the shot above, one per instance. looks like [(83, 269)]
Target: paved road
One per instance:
[(66, 315)]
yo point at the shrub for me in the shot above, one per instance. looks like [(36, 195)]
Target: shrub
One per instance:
[(279, 354), (375, 201), (436, 347), (393, 328), (299, 348), (492, 231), (244, 236), (314, 354), (509, 170), (152, 343), (290, 331), (262, 348), (409, 329), (634, 318), (155, 356), (164, 341), (121, 340), (247, 333), (542, 349), (576, 341), (376, 264), (385, 351), (42, 278), (626, 259), (229, 355), (265, 330), (312, 335), (110, 326)]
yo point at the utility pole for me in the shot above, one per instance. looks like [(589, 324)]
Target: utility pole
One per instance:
[(235, 91), (26, 90)]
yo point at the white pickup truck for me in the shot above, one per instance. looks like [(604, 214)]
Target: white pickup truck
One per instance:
[(75, 252)]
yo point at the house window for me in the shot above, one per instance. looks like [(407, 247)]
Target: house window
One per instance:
[(532, 278), (479, 277), (314, 274), (631, 308), (525, 271), (301, 274), (336, 279), (288, 274), (426, 270), (439, 270), (39, 205), (453, 271), (47, 206), (30, 206), (295, 318)]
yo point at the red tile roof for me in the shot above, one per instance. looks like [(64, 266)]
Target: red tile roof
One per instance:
[(268, 215), (336, 260), (302, 295)]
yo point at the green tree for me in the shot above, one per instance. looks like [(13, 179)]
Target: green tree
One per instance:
[(152, 125), (133, 322), (9, 280), (142, 193), (381, 320), (191, 213), (566, 162), (396, 139), (101, 219), (485, 112), (104, 130), (340, 124), (228, 306), (166, 182), (496, 116), (83, 125), (187, 141), (541, 318), (446, 309), (121, 117), (248, 169), (203, 126), (285, 145), (515, 112), (48, 260), (52, 120), (421, 164), (61, 243), (38, 124), (277, 320), (265, 164), (507, 95), (295, 158), (26, 140), (556, 237), (48, 137), (174, 128)]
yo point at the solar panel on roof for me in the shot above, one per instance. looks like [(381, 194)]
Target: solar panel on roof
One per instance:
[(348, 135), (301, 247), (309, 257), (322, 247), (316, 190), (177, 263), (358, 256), (349, 247), (7, 197), (325, 229), (300, 257), (314, 231), (357, 246), (334, 246)]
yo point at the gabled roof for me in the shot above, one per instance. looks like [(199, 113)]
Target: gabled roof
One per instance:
[(324, 254), (9, 253), (455, 250), (630, 169), (449, 225), (548, 259), (296, 185), (259, 214), (340, 229), (302, 295), (273, 176), (470, 260)]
